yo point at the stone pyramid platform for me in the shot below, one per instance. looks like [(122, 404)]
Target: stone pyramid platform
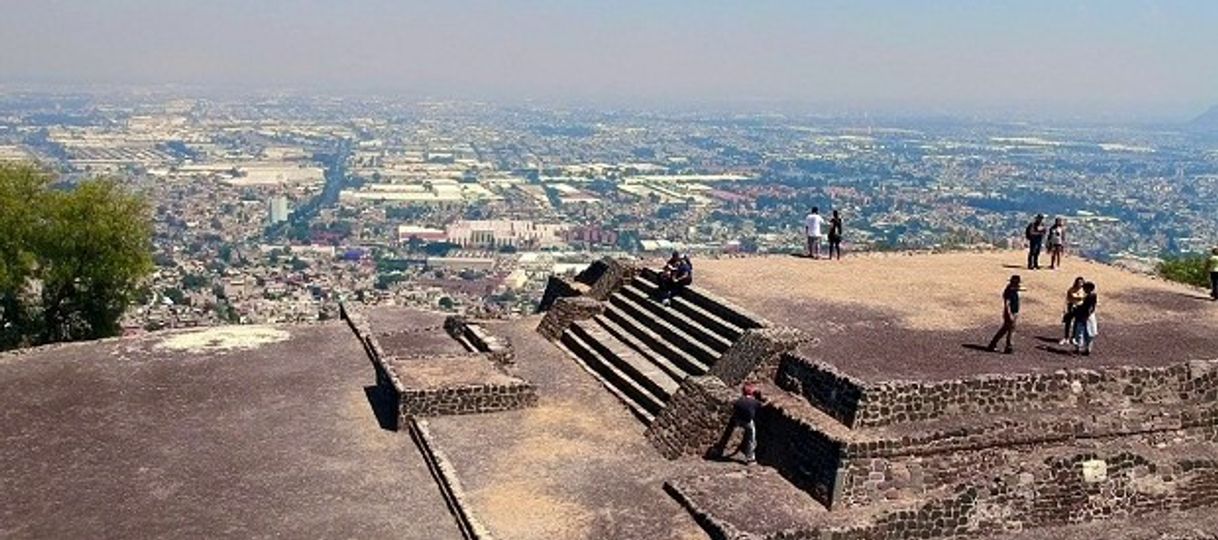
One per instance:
[(885, 411)]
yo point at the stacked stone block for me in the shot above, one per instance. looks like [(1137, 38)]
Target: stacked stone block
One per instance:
[(499, 392)]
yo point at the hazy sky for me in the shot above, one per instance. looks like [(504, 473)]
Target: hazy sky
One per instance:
[(1113, 56)]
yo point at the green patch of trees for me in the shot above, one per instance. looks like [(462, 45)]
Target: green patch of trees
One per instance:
[(71, 260), (1188, 269)]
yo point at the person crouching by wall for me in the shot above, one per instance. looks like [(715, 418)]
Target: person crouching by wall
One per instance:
[(744, 416)]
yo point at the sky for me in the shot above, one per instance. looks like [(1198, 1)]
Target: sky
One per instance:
[(1137, 58)]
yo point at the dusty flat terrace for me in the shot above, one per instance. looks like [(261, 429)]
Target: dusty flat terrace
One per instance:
[(575, 466), (892, 316), (228, 432)]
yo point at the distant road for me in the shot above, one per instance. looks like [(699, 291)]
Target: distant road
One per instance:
[(335, 164)]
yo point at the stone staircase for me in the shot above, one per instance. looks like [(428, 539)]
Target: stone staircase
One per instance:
[(641, 350)]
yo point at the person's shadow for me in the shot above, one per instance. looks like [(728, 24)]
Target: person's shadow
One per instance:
[(1056, 350), (976, 347), (718, 452), (1014, 266)]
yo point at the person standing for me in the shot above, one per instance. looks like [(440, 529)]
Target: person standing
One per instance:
[(1074, 296), (1211, 264), (1035, 233), (1057, 243), (1010, 315), (1085, 324), (744, 416), (835, 235), (812, 228)]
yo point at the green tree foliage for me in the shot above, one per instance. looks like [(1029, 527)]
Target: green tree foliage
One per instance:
[(70, 260), (1185, 269)]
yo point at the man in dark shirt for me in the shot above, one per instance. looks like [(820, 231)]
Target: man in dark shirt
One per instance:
[(744, 415), (677, 274), (1035, 233), (1010, 315)]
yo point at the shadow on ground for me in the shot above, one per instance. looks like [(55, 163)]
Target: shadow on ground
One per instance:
[(384, 405)]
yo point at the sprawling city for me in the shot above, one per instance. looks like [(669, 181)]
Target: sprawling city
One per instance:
[(475, 270), (275, 208)]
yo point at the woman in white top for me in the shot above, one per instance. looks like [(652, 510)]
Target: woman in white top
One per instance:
[(1057, 242)]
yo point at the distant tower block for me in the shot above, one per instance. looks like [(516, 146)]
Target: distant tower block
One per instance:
[(278, 207)]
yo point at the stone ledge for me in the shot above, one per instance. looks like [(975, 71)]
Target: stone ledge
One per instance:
[(860, 404), (498, 349), (564, 312), (450, 486), (441, 384), (1051, 487), (756, 354)]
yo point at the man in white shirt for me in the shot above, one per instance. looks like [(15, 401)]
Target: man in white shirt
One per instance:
[(812, 227)]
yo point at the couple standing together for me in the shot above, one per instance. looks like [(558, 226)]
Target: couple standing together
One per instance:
[(814, 225), (1038, 235)]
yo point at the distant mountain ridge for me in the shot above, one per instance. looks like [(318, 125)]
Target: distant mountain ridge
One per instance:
[(1208, 120)]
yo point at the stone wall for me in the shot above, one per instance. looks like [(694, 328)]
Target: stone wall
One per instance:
[(564, 312), (834, 393), (907, 401), (498, 349), (860, 404), (756, 353), (613, 273), (911, 466), (559, 287), (465, 399), (409, 402), (1069, 487), (694, 420), (803, 454), (1051, 487)]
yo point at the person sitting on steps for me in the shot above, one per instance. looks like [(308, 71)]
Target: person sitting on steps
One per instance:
[(677, 274)]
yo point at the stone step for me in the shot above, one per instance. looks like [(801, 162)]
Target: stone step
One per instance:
[(624, 336), (707, 301), (675, 354), (641, 402), (466, 343), (697, 331), (644, 373), (673, 335), (693, 311)]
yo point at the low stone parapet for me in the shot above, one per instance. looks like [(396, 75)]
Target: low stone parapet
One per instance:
[(756, 354), (564, 312)]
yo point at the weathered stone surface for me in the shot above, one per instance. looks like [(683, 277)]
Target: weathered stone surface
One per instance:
[(444, 384), (694, 420), (564, 312), (613, 273), (756, 353), (560, 287)]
